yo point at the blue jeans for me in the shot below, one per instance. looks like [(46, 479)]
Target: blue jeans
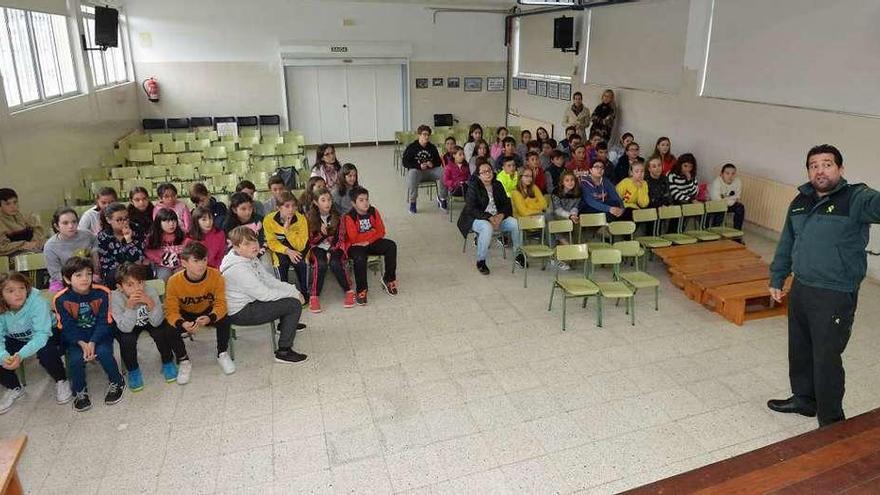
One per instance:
[(483, 228), (104, 355)]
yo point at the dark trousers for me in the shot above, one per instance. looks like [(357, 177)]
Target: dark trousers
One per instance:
[(167, 340), (739, 216), (287, 310), (104, 355), (384, 247), (222, 326), (819, 327), (284, 265), (320, 263), (49, 357)]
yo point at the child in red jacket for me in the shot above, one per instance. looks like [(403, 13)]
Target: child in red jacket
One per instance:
[(365, 236)]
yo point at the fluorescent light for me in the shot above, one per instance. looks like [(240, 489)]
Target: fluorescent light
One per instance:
[(559, 3)]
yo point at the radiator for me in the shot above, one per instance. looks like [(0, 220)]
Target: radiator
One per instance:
[(766, 201)]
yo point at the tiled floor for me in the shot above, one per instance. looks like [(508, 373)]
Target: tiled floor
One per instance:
[(460, 384)]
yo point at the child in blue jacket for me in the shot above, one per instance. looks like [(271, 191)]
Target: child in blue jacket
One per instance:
[(25, 331), (83, 311)]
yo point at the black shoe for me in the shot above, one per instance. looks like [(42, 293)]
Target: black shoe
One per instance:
[(481, 265), (82, 402), (114, 393), (289, 356), (300, 326), (520, 260), (792, 405), (361, 298)]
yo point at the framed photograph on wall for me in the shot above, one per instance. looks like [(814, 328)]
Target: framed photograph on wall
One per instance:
[(565, 91), (553, 90), (453, 82), (437, 82), (532, 86), (473, 83), (494, 84), (542, 88), (421, 82)]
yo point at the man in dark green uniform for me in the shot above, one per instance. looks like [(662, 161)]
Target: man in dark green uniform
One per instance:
[(823, 244)]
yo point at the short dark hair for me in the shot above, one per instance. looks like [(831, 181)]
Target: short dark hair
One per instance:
[(682, 159), (556, 154), (449, 138), (571, 128), (508, 140), (575, 136), (7, 193), (75, 264), (198, 189), (276, 179), (165, 187), (194, 250), (531, 154), (508, 159), (287, 197), (523, 133), (107, 191), (577, 93), (136, 271), (357, 191), (534, 143), (552, 142), (422, 128), (727, 166), (603, 145), (825, 148), (625, 134), (245, 184)]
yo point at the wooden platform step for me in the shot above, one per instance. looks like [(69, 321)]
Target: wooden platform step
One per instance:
[(700, 248), (745, 301), (696, 285)]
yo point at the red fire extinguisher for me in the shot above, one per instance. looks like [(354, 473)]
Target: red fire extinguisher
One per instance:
[(151, 88)]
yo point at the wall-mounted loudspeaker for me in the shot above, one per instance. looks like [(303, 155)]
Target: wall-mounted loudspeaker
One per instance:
[(563, 32)]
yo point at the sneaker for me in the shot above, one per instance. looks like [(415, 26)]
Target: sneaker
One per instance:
[(520, 260), (390, 287), (349, 299), (135, 380), (314, 304), (361, 298), (114, 393), (82, 402), (481, 265), (169, 370), (412, 208), (184, 370), (561, 265), (289, 356), (63, 395), (9, 398), (300, 326), (443, 204), (226, 362)]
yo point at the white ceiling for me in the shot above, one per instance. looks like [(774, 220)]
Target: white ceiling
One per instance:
[(500, 4)]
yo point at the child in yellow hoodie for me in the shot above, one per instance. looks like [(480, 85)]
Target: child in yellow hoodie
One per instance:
[(287, 232), (633, 190), (508, 176), (527, 198)]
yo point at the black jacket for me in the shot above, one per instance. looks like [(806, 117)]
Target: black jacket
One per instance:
[(658, 191), (477, 199), (415, 154)]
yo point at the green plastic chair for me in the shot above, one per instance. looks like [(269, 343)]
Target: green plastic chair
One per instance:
[(29, 264), (239, 155), (263, 151), (129, 184), (248, 142), (174, 147), (260, 179), (161, 137), (90, 174), (215, 153), (97, 185), (112, 160), (273, 139), (287, 149), (198, 144), (622, 228), (155, 147), (267, 165), (649, 215), (184, 171), (670, 213), (696, 212), (573, 286), (4, 264), (596, 221), (237, 167), (194, 157), (212, 169), (565, 226), (249, 133), (209, 135), (637, 279), (615, 288), (224, 183), (719, 207), (537, 251), (183, 136), (140, 155), (164, 160)]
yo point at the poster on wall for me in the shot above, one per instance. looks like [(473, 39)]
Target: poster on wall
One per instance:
[(553, 90), (473, 84), (421, 82), (494, 84), (453, 82), (532, 86), (542, 88), (437, 82), (565, 91)]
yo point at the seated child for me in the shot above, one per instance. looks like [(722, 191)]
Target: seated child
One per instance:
[(308, 195), (525, 136), (196, 298), (658, 184), (449, 146), (547, 149), (533, 162), (204, 231), (565, 144), (242, 211), (481, 150), (255, 297), (455, 175), (85, 326), (68, 241), (200, 197), (365, 236), (136, 307), (140, 210), (250, 189), (17, 233), (118, 243), (683, 186), (340, 193), (498, 146), (276, 187), (508, 176), (25, 331), (633, 190), (565, 204), (326, 248), (168, 200), (508, 152), (164, 244), (556, 169), (286, 233), (728, 187), (599, 194), (91, 219), (527, 198), (579, 163)]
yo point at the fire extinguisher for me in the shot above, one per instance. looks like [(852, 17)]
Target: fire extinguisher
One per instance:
[(151, 88)]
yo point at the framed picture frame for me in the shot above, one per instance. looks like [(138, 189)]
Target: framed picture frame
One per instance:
[(437, 82), (494, 84), (542, 88), (565, 91), (453, 82), (473, 83), (522, 83), (532, 87), (553, 90), (421, 82)]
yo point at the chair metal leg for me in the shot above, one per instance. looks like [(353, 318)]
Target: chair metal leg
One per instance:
[(599, 311), (552, 290), (656, 298), (632, 313), (272, 342), (564, 299), (22, 376)]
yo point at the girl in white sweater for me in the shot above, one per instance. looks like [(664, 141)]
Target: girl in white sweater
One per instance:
[(728, 187)]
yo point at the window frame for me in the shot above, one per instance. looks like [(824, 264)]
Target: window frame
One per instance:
[(33, 51), (94, 52)]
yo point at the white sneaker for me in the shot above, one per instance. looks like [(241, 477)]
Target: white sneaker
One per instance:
[(9, 398), (563, 266), (226, 363), (184, 369), (63, 395)]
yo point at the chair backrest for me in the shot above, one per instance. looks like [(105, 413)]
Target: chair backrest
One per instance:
[(287, 149), (140, 155), (717, 206), (154, 171), (158, 285), (164, 159), (535, 222), (184, 136), (260, 179), (210, 135), (622, 228), (560, 226), (248, 133), (239, 155), (644, 215), (669, 212), (97, 185), (237, 167), (174, 147), (90, 174), (199, 144), (247, 142), (124, 173), (82, 209), (29, 262), (273, 139), (628, 248), (264, 150), (572, 252), (183, 171), (129, 184), (692, 209), (4, 264), (268, 165), (194, 157), (161, 137), (112, 160), (593, 220), (605, 256), (212, 169), (215, 153)]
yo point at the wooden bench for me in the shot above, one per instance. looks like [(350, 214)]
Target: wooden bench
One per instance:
[(678, 275), (738, 302), (703, 259), (700, 248), (10, 453), (695, 286)]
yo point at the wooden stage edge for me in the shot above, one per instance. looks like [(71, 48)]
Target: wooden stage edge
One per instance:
[(841, 458)]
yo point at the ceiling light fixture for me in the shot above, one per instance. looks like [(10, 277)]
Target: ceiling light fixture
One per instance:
[(549, 3)]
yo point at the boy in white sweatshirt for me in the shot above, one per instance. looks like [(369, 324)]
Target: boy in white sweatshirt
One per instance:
[(255, 297), (729, 188)]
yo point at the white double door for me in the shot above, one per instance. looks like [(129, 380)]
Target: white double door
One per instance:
[(345, 104)]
